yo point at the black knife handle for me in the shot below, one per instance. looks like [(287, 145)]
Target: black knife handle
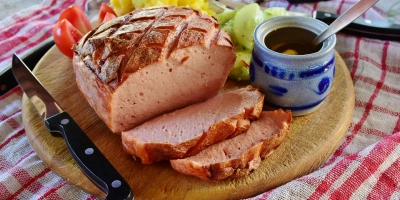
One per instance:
[(364, 27), (88, 157)]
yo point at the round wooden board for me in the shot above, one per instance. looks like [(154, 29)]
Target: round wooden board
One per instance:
[(312, 140)]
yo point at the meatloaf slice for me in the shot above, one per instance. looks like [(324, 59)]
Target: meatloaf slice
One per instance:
[(238, 156), (187, 131), (149, 62)]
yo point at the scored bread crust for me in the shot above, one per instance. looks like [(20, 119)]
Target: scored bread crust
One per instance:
[(139, 141), (119, 63), (239, 165)]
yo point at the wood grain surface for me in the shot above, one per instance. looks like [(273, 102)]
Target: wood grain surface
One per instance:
[(312, 140)]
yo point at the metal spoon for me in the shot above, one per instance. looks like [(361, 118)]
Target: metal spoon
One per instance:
[(344, 19)]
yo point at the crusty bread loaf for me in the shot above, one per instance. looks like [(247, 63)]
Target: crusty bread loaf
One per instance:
[(151, 61), (238, 156), (187, 131)]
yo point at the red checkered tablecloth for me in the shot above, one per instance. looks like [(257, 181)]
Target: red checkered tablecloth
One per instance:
[(365, 166)]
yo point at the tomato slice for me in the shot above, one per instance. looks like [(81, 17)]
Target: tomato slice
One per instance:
[(65, 35), (104, 9), (108, 17), (75, 15)]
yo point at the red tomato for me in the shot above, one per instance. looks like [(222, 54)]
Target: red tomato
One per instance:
[(75, 15), (65, 35), (108, 17), (104, 9)]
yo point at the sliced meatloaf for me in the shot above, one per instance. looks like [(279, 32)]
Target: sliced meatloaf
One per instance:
[(187, 131), (149, 62), (238, 156)]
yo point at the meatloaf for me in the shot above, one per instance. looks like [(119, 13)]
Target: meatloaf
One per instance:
[(149, 62), (238, 156), (187, 131)]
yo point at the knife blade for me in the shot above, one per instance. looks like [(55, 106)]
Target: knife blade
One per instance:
[(88, 157), (364, 27), (31, 58)]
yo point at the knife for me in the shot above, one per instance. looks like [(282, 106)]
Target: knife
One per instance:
[(364, 27), (31, 58), (59, 123), (360, 27)]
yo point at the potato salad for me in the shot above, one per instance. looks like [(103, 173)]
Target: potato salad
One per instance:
[(125, 6)]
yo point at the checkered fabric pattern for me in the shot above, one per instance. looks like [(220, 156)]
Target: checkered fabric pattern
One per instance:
[(22, 174), (365, 166)]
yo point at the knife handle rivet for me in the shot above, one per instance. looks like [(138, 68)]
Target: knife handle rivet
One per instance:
[(327, 14), (116, 184), (89, 151), (368, 21), (64, 121)]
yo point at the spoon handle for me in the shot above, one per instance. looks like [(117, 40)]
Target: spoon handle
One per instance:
[(343, 20)]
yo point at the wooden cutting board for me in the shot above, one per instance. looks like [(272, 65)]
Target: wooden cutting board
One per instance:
[(312, 140)]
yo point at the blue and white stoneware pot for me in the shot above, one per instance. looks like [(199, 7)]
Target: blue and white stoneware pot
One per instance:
[(299, 83)]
